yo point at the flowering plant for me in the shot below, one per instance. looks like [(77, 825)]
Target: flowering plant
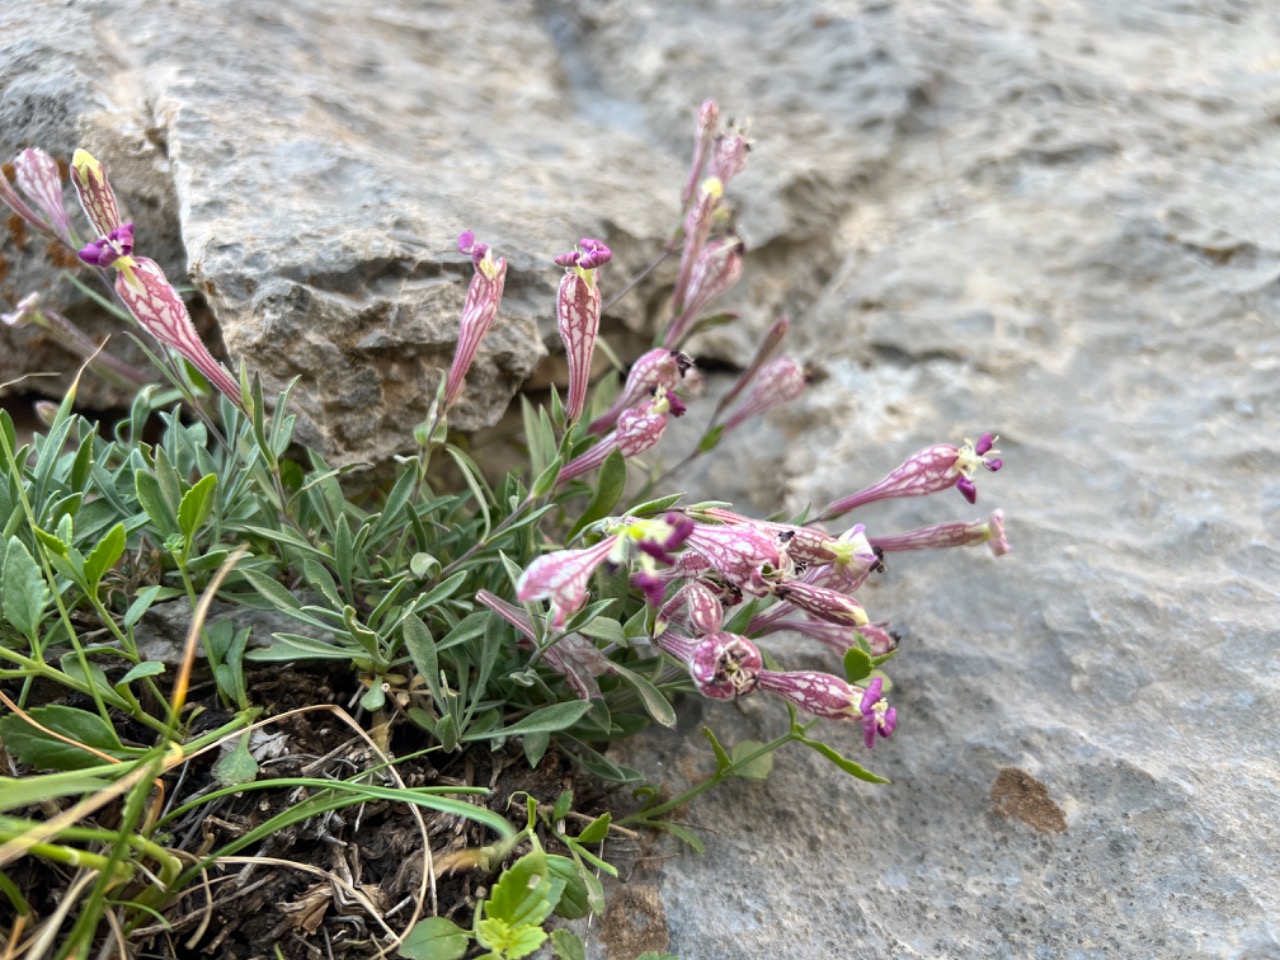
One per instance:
[(551, 606)]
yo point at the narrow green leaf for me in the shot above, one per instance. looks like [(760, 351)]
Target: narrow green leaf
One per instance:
[(471, 474), (25, 593), (196, 505), (550, 719), (436, 938), (651, 507), (441, 591), (318, 576), (286, 647), (271, 590), (546, 481), (610, 485), (104, 555), (711, 439), (344, 557), (657, 706), (535, 747), (723, 760), (844, 763)]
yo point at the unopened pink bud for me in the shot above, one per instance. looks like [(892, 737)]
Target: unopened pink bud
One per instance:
[(478, 312), (780, 381), (704, 134), (578, 316), (717, 269), (820, 694), (698, 605), (942, 535), (729, 158), (697, 225), (145, 290), (765, 350), (95, 193), (40, 179), (822, 602)]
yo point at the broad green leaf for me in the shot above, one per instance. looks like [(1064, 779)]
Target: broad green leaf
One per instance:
[(319, 577), (104, 555), (596, 830), (147, 488), (606, 629), (610, 485), (757, 769), (436, 938), (844, 763), (526, 893), (441, 591), (96, 677), (25, 592), (196, 505), (556, 717), (573, 899), (148, 668), (33, 746), (857, 665), (422, 651), (567, 945), (535, 747), (237, 765)]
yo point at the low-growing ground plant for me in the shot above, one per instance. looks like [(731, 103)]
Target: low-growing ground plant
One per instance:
[(349, 659)]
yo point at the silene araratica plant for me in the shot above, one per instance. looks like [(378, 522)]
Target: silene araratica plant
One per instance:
[(550, 605)]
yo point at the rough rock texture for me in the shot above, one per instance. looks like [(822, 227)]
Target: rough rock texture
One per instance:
[(1052, 219), (324, 160), (1075, 244)]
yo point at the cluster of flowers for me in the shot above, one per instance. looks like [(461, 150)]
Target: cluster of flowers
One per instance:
[(691, 566), (139, 282), (694, 566)]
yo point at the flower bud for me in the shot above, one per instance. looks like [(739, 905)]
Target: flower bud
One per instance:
[(780, 381), (40, 179), (96, 196), (478, 312), (578, 317)]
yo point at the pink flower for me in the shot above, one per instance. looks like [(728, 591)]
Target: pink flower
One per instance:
[(563, 578), (930, 470), (639, 429), (659, 368), (698, 606), (578, 316), (478, 312), (144, 289), (738, 553), (820, 694), (724, 666), (704, 134)]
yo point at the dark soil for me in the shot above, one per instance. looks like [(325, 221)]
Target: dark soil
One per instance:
[(283, 909)]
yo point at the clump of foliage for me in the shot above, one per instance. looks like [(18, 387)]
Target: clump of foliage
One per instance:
[(565, 605)]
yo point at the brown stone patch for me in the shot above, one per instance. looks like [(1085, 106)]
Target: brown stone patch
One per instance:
[(1018, 794), (634, 921)]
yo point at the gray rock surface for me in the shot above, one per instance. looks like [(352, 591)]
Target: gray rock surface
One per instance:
[(1055, 220), (1076, 245)]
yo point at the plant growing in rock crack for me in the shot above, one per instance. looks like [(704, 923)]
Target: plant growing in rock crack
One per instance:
[(551, 606)]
